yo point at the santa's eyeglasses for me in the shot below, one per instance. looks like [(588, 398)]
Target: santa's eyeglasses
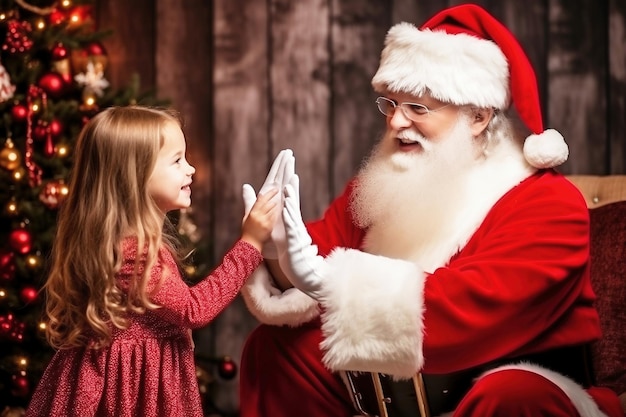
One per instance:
[(412, 111)]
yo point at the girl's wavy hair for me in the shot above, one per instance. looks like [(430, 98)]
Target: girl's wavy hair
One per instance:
[(108, 200)]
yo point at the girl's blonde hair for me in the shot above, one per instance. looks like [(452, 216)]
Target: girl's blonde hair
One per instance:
[(108, 200)]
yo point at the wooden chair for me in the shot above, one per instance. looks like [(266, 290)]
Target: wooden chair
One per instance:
[(600, 190), (606, 199)]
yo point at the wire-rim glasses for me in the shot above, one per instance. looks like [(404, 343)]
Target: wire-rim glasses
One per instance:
[(412, 111)]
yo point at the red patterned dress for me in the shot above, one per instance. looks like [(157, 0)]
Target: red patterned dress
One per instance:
[(148, 369)]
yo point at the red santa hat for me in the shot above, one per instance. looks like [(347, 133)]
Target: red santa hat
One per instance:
[(463, 55)]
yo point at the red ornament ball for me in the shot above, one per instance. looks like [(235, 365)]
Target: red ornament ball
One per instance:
[(11, 328), (28, 295), (6, 258), (95, 49), (53, 193), (57, 17), (40, 131), (227, 368), (20, 386), (19, 112), (59, 52), (21, 241), (18, 36), (81, 15), (7, 265), (56, 127), (52, 83), (8, 273)]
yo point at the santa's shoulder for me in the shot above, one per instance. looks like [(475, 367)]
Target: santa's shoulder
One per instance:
[(549, 188)]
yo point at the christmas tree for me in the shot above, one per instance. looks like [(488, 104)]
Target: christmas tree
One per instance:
[(52, 80)]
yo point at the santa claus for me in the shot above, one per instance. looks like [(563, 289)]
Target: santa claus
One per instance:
[(457, 259)]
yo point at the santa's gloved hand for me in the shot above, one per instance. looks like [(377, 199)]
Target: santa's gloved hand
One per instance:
[(280, 173), (294, 188), (300, 262)]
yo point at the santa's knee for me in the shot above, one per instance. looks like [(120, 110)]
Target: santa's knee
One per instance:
[(515, 393)]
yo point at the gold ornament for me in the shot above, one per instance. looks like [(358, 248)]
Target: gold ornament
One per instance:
[(89, 101), (19, 174), (12, 207), (62, 66), (61, 61), (94, 54), (53, 193), (190, 270), (204, 379), (61, 150), (33, 261), (12, 412), (10, 158)]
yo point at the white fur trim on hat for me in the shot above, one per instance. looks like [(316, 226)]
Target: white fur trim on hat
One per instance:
[(270, 305), (460, 69), (546, 150)]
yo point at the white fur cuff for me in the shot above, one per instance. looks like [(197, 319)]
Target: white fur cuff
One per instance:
[(373, 314), (272, 306)]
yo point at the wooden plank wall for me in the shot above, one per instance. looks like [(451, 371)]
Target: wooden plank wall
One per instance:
[(254, 77)]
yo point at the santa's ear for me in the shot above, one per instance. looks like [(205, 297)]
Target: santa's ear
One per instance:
[(479, 120)]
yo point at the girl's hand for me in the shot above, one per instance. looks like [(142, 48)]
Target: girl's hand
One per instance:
[(279, 175), (259, 221)]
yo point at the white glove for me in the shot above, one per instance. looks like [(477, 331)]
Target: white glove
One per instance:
[(294, 188), (280, 173), (300, 262)]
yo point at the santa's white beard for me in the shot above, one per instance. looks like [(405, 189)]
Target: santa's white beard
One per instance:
[(416, 205)]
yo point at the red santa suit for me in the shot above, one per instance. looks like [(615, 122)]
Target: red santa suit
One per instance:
[(506, 276), (519, 285)]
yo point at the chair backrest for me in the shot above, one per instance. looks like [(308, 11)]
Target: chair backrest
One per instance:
[(606, 199), (600, 189)]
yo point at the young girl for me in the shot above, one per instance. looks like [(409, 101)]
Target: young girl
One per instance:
[(119, 312)]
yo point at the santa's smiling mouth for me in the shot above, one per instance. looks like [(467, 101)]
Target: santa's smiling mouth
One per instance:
[(408, 144)]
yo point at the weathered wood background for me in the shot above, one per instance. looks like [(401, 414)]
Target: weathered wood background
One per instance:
[(253, 77)]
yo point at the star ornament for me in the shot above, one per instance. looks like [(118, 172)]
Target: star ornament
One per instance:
[(92, 79)]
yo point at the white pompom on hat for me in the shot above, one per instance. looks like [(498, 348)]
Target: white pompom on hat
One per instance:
[(463, 55)]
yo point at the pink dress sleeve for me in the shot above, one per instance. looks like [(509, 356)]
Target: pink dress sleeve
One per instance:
[(195, 306)]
